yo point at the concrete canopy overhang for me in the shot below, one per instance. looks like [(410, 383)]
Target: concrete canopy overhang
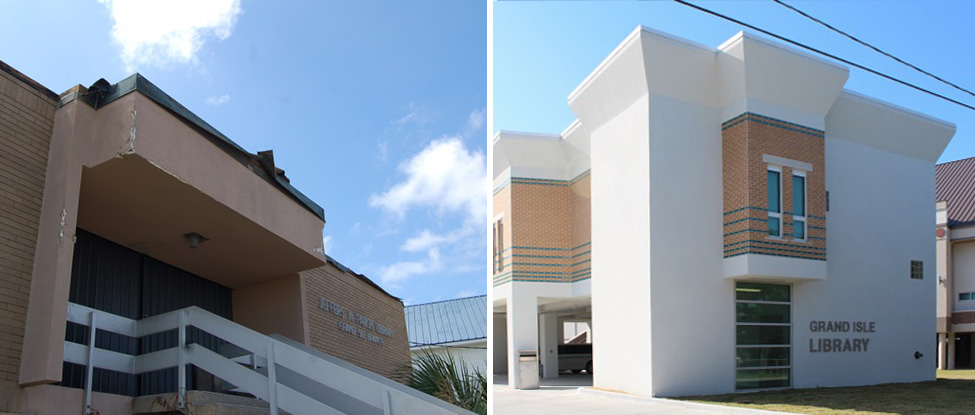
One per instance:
[(153, 174), (135, 203), (140, 169)]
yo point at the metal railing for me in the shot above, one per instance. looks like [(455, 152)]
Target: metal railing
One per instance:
[(324, 384)]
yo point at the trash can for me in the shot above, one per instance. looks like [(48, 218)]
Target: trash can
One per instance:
[(527, 369)]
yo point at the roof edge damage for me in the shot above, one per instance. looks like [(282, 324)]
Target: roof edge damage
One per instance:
[(102, 93)]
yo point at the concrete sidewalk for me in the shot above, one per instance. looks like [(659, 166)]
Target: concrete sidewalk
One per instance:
[(562, 398)]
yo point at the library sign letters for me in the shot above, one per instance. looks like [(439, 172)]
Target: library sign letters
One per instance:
[(356, 324), (840, 336)]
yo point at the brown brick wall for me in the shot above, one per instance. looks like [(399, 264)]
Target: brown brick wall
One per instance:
[(745, 140), (26, 123), (356, 296), (550, 229), (502, 206), (581, 232)]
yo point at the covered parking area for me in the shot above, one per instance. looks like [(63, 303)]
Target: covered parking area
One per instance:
[(559, 329)]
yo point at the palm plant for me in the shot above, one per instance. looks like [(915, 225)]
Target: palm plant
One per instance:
[(441, 376)]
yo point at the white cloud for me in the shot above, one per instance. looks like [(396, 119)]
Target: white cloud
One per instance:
[(326, 244), (475, 120), (402, 271), (445, 176), (153, 32), (425, 240), (416, 115), (216, 101)]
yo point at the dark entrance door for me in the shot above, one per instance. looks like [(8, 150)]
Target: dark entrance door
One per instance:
[(109, 277), (963, 351)]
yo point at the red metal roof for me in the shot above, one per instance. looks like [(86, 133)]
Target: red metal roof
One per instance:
[(955, 184)]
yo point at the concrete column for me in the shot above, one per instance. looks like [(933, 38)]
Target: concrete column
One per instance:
[(951, 350), (942, 355), (549, 345), (47, 310), (500, 342), (522, 331)]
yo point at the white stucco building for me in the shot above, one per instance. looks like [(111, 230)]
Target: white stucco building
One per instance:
[(727, 219)]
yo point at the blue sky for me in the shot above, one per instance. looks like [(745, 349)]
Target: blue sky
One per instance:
[(375, 109), (543, 50)]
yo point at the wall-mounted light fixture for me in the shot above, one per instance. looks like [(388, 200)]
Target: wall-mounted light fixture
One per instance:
[(918, 355), (195, 239), (941, 280)]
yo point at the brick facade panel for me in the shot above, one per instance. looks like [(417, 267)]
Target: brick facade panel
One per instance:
[(744, 142), (26, 124), (502, 207), (550, 229), (354, 295)]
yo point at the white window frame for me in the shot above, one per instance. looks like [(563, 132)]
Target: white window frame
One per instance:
[(777, 169), (805, 217)]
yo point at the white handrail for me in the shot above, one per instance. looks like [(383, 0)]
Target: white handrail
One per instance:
[(383, 398), (92, 328)]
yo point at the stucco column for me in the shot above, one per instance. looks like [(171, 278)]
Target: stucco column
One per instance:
[(951, 351), (522, 332), (500, 340), (942, 356), (549, 345), (47, 309)]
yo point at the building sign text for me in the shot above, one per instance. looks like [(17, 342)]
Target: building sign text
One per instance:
[(351, 319), (837, 344)]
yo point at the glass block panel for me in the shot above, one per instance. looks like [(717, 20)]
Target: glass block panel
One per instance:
[(799, 229), (753, 291), (762, 313), (751, 335), (761, 378), (774, 196), (798, 195), (763, 356)]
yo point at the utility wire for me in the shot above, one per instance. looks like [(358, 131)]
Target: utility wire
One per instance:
[(829, 55), (853, 38)]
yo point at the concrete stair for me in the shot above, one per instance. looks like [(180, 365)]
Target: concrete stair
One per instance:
[(201, 403)]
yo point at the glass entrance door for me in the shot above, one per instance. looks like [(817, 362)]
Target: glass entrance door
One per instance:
[(763, 336)]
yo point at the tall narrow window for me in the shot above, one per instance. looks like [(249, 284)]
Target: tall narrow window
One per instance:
[(763, 338), (774, 202), (500, 245), (494, 248), (799, 205)]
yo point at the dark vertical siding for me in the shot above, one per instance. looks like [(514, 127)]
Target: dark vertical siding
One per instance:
[(167, 288), (107, 277), (111, 278)]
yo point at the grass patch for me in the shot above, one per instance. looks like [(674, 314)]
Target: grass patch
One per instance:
[(952, 394)]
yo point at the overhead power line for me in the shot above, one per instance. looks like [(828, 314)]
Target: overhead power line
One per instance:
[(853, 38), (829, 55)]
